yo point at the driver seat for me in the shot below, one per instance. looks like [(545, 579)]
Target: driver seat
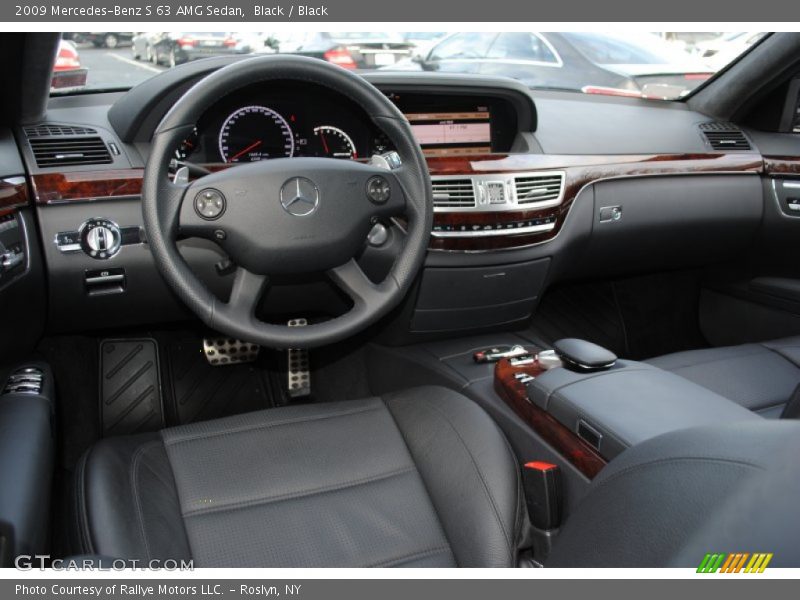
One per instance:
[(417, 478)]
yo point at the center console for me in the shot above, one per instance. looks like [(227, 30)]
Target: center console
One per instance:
[(590, 414)]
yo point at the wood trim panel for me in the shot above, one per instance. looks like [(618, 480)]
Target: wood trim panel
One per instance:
[(599, 166), (782, 165), (577, 452), (580, 170), (49, 188), (13, 194)]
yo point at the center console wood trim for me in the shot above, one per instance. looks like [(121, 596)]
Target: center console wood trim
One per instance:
[(567, 443)]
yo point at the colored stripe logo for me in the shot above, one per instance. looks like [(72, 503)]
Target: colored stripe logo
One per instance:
[(737, 562)]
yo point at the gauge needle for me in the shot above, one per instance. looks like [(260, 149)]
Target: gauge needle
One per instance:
[(252, 146), (324, 143)]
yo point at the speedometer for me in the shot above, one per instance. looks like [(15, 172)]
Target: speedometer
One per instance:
[(254, 133)]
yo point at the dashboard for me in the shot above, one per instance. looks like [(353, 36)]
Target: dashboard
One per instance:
[(524, 193), (291, 119)]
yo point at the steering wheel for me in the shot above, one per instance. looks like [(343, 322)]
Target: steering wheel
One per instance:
[(287, 215)]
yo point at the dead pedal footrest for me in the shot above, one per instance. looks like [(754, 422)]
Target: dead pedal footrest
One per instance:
[(130, 386), (299, 371), (227, 351)]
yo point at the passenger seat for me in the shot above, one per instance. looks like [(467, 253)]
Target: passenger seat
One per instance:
[(762, 377)]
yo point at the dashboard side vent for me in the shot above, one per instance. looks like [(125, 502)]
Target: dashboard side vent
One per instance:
[(453, 193), (51, 130), (724, 136), (62, 152), (535, 189)]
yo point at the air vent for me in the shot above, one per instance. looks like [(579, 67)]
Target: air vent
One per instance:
[(536, 189), (62, 152), (453, 193), (724, 136), (50, 130)]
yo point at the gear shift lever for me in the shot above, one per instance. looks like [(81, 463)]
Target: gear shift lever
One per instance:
[(580, 355)]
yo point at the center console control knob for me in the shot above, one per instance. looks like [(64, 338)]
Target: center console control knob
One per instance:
[(100, 238)]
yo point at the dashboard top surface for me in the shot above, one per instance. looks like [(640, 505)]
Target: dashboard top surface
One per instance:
[(558, 123)]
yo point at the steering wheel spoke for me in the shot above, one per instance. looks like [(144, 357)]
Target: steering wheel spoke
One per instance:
[(351, 279), (248, 288)]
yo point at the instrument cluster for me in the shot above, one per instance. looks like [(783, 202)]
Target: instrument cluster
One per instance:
[(282, 121)]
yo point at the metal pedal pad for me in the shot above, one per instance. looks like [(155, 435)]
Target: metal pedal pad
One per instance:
[(299, 371), (227, 351)]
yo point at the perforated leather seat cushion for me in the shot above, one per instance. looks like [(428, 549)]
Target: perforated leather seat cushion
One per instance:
[(419, 478), (761, 377)]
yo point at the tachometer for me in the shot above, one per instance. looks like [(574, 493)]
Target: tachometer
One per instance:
[(334, 143), (254, 133)]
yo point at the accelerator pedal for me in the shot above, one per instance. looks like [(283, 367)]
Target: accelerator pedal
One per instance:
[(299, 371), (226, 351)]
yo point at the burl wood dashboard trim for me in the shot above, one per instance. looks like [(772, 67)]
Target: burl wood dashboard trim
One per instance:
[(567, 443), (13, 194), (52, 188), (781, 165), (580, 171)]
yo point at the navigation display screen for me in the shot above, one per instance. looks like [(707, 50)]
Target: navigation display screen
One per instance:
[(453, 133)]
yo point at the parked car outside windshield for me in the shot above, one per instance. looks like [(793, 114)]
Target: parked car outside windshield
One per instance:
[(645, 65), (658, 65)]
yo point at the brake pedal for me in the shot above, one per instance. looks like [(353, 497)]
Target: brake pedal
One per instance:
[(227, 351), (299, 371)]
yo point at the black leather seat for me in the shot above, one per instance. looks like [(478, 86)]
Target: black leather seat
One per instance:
[(425, 478), (761, 377), (419, 478), (671, 499)]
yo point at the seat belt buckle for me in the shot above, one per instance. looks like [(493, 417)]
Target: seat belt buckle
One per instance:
[(542, 486)]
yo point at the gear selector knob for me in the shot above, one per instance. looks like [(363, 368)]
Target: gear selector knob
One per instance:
[(580, 355)]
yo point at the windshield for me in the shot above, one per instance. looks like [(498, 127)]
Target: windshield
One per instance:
[(661, 65), (642, 49)]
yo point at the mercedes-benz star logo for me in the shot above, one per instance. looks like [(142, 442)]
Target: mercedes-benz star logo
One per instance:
[(299, 196)]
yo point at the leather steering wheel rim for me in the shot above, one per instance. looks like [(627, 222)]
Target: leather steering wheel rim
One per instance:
[(163, 206)]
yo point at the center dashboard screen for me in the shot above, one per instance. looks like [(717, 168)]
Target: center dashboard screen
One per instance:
[(452, 133)]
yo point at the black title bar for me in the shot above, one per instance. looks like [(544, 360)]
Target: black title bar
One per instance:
[(361, 11)]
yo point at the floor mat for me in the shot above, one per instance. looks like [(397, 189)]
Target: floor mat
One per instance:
[(76, 364), (197, 391), (586, 311), (660, 313), (339, 372), (636, 318), (130, 387)]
